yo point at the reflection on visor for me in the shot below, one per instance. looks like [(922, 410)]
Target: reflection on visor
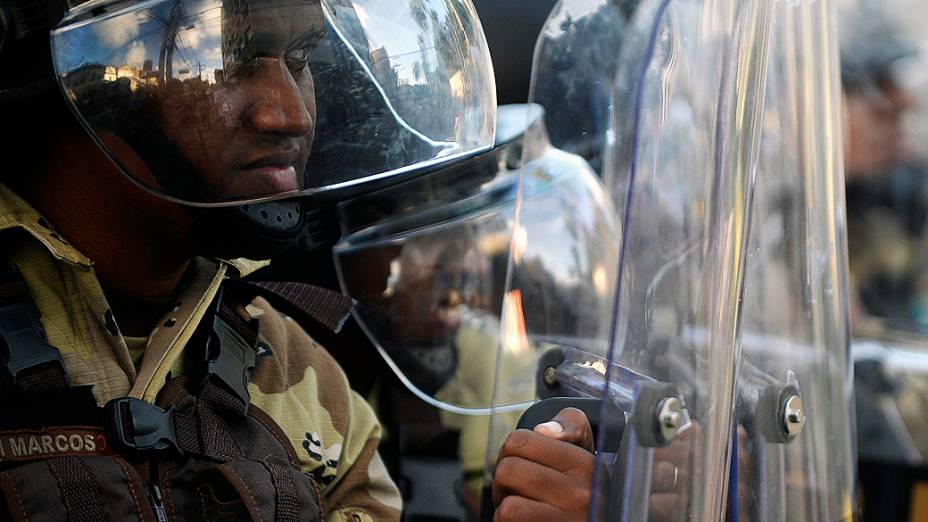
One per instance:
[(429, 298), (224, 101), (222, 87)]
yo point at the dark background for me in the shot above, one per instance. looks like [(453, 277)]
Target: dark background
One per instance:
[(512, 27)]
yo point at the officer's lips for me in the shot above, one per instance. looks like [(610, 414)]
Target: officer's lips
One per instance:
[(275, 172)]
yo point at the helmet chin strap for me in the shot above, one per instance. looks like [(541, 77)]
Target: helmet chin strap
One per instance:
[(261, 231), (28, 91), (254, 231), (25, 70)]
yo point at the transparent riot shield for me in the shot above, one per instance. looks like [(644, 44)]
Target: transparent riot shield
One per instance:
[(680, 167), (427, 262), (695, 121)]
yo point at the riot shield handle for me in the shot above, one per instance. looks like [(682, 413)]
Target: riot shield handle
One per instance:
[(545, 410)]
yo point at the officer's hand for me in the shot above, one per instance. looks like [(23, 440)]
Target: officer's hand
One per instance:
[(546, 474)]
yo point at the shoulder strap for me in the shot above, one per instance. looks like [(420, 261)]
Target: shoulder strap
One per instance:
[(231, 347), (325, 307), (227, 338)]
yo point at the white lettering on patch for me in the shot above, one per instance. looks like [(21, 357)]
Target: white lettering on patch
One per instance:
[(50, 442)]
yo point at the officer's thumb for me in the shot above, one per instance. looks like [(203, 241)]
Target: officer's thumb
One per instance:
[(569, 425)]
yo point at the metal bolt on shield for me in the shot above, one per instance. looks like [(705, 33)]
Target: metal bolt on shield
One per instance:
[(669, 417), (793, 416), (550, 376)]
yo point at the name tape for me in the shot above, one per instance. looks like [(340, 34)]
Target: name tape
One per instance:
[(56, 441)]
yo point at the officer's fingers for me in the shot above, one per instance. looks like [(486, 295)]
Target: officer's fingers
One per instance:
[(744, 465), (569, 425), (683, 446), (666, 477), (744, 460), (519, 509), (523, 478), (556, 454), (666, 506)]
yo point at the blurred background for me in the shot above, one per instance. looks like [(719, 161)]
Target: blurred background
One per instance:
[(512, 27), (885, 81)]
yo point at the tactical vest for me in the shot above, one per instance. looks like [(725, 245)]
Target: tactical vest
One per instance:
[(202, 452)]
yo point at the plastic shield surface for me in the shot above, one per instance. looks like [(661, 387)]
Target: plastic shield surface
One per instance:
[(579, 49), (682, 145), (220, 102)]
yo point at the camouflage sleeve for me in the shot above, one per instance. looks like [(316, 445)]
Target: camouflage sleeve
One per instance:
[(333, 430)]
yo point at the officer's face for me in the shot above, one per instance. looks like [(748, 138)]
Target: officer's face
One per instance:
[(875, 140), (248, 133), (429, 283)]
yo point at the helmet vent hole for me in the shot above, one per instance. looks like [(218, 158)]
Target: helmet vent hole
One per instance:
[(280, 219), (264, 214), (289, 215)]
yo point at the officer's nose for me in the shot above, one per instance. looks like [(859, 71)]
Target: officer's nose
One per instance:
[(280, 106)]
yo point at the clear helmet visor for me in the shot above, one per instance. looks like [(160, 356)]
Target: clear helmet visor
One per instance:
[(212, 102), (427, 262)]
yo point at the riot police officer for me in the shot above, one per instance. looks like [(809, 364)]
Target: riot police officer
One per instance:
[(154, 145)]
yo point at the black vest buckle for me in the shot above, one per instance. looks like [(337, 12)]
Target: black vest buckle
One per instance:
[(231, 358), (134, 425), (232, 347), (23, 345)]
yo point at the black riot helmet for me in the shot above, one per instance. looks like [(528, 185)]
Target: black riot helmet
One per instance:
[(231, 107)]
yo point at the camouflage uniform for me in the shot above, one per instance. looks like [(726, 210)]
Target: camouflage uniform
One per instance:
[(300, 386)]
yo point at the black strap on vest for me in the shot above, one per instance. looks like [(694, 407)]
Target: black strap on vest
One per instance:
[(32, 373), (326, 307), (231, 345), (28, 363), (231, 349), (229, 338)]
